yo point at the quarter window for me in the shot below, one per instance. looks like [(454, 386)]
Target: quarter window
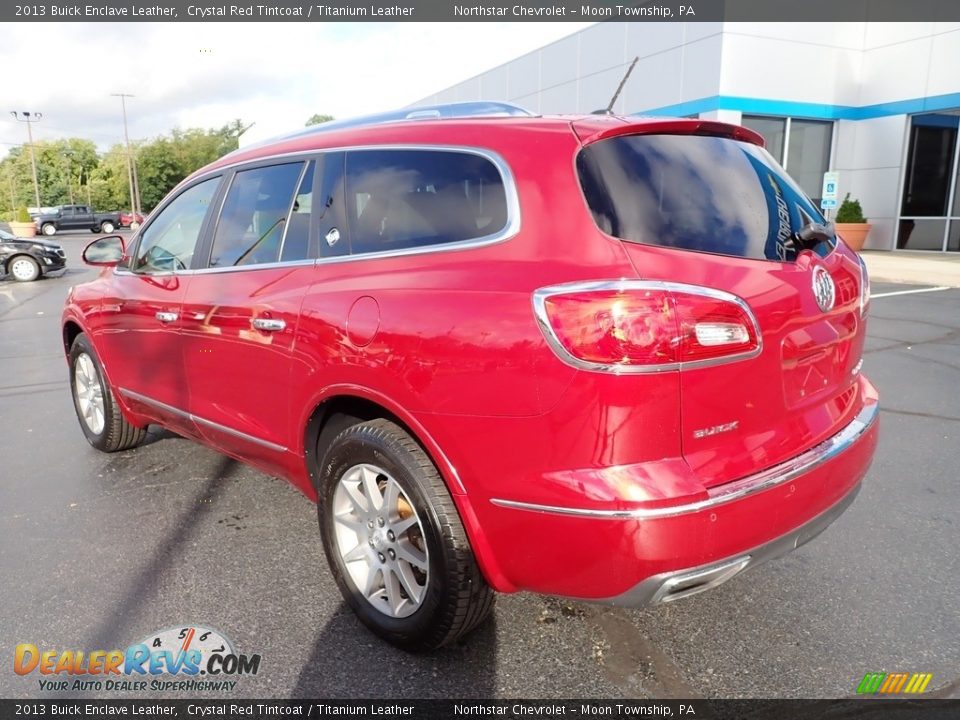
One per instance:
[(401, 199), (254, 215), (169, 242)]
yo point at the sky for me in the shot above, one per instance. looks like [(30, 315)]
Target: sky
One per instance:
[(208, 74)]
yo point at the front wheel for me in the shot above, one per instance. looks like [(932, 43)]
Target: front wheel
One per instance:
[(49, 229), (106, 227), (24, 268), (394, 540), (100, 418)]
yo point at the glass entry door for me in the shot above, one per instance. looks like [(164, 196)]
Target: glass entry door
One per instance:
[(930, 211)]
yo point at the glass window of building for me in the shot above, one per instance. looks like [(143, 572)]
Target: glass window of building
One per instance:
[(930, 209), (802, 147)]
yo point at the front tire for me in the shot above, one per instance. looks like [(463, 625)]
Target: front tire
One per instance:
[(49, 229), (106, 227), (24, 268), (394, 540), (100, 418)]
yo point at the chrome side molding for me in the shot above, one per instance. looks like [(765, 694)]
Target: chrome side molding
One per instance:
[(201, 421)]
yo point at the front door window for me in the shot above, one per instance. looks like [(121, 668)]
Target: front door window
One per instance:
[(168, 243)]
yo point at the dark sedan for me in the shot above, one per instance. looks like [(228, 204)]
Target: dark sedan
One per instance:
[(26, 259)]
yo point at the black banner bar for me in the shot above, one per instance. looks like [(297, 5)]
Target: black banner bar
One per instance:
[(480, 10), (516, 709)]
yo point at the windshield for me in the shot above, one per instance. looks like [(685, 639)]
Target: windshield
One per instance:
[(704, 193)]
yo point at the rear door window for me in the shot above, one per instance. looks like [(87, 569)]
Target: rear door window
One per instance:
[(704, 193), (402, 199)]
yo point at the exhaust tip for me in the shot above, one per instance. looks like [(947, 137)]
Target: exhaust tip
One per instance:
[(698, 581)]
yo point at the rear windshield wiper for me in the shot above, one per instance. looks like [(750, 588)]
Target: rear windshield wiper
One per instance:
[(811, 235)]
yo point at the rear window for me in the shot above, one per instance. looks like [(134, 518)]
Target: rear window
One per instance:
[(693, 192), (401, 199)]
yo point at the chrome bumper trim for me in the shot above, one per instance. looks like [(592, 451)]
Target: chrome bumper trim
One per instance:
[(764, 480), (678, 584)]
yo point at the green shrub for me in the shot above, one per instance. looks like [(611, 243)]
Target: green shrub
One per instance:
[(22, 215), (850, 211)]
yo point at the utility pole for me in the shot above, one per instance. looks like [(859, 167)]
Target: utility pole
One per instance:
[(131, 163), (29, 118)]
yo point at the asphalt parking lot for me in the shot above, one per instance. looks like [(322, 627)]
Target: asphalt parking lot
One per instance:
[(99, 551)]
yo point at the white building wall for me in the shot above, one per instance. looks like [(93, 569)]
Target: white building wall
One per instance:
[(580, 73), (846, 72)]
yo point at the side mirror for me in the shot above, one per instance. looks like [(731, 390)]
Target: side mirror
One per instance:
[(104, 252)]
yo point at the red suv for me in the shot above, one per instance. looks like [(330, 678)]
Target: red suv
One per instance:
[(612, 359)]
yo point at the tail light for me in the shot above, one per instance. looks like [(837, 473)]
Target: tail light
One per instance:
[(645, 326), (864, 287)]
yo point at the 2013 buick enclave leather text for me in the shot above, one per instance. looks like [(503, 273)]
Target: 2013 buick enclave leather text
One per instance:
[(612, 359)]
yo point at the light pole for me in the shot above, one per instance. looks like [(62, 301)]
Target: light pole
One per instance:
[(131, 163), (29, 118)]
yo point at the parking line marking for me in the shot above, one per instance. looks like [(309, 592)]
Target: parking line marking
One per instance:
[(910, 292)]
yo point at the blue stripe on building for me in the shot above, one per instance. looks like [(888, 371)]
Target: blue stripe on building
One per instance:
[(760, 106)]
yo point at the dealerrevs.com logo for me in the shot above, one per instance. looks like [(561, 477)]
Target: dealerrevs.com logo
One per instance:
[(190, 658)]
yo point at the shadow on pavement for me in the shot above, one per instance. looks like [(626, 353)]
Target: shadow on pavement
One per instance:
[(347, 656), (150, 578)]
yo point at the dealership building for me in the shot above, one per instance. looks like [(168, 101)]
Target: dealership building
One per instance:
[(878, 103)]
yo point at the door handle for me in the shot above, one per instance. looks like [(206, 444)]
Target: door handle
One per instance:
[(166, 317), (269, 324)]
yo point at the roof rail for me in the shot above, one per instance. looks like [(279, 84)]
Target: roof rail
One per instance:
[(481, 108)]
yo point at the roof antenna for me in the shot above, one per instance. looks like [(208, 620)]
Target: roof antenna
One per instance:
[(609, 109)]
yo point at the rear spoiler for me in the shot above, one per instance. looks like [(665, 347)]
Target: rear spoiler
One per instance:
[(595, 128)]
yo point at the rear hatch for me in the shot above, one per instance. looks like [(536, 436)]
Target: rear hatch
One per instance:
[(703, 205)]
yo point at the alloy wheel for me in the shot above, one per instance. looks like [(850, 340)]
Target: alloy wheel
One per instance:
[(89, 393), (380, 540)]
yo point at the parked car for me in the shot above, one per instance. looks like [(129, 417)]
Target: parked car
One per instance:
[(28, 259), (610, 359), (77, 217), (128, 218)]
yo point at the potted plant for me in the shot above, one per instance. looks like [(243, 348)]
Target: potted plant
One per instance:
[(22, 224), (851, 225)]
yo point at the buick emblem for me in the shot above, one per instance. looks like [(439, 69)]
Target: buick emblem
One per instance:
[(823, 289)]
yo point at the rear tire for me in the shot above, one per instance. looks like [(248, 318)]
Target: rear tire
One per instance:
[(437, 593), (106, 227), (100, 417)]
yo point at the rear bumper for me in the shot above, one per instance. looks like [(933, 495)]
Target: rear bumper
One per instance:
[(731, 492), (646, 553), (668, 586)]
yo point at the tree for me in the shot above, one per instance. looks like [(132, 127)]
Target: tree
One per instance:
[(60, 166), (73, 164), (318, 118), (165, 161), (108, 183)]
